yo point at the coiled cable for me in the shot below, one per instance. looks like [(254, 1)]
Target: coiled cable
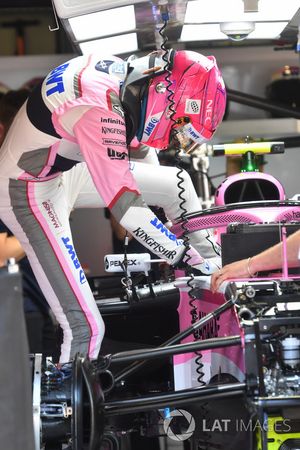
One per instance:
[(182, 203), (183, 218)]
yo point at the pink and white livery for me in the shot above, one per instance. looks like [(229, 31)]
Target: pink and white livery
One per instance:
[(74, 130)]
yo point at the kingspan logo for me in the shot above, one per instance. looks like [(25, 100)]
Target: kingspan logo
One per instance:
[(66, 241), (151, 125)]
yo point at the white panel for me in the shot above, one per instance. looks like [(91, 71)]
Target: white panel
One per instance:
[(103, 23), (115, 45), (203, 11), (208, 32), (72, 8), (265, 30)]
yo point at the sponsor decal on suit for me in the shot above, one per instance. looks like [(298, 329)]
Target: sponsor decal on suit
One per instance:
[(154, 245), (55, 79), (164, 230), (108, 130), (114, 142), (51, 213), (67, 243), (114, 154)]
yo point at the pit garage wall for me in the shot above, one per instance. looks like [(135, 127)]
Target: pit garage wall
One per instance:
[(247, 70)]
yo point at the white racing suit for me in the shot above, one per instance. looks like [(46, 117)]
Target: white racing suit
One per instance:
[(66, 148)]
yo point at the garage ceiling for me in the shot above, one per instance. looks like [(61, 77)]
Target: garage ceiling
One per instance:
[(201, 17), (147, 20)]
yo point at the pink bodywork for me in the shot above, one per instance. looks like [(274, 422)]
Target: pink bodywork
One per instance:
[(228, 360)]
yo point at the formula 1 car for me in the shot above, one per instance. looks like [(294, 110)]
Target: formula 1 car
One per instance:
[(209, 371)]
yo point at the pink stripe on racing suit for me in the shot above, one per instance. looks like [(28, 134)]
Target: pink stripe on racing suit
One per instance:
[(78, 103)]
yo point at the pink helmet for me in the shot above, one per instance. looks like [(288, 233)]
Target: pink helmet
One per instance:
[(199, 98)]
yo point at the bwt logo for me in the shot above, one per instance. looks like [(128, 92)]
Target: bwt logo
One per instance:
[(193, 133), (55, 78), (151, 125), (76, 263), (164, 230)]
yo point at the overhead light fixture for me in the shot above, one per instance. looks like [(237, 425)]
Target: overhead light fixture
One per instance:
[(103, 23), (216, 11), (108, 25), (115, 45), (207, 32), (237, 31), (211, 32), (73, 8)]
